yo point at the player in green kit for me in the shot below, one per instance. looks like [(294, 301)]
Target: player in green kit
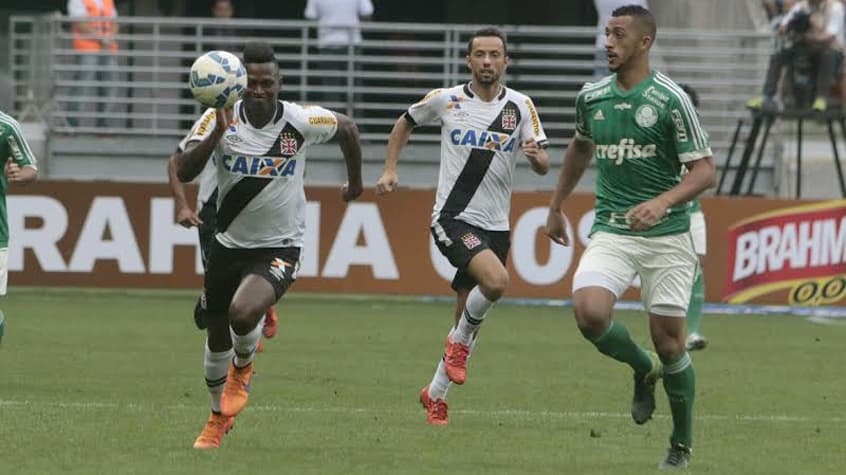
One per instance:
[(641, 129), (695, 340), (18, 167)]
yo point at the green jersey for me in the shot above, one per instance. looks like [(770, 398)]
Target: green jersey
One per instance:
[(642, 137), (12, 147)]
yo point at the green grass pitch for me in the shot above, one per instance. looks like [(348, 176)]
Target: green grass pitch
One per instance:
[(110, 382)]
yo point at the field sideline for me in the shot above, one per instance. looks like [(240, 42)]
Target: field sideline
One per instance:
[(111, 382)]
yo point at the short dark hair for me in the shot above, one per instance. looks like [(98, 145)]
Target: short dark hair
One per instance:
[(488, 31), (641, 15), (694, 97), (257, 52)]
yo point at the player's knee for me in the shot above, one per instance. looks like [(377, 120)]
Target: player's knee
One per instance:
[(668, 347), (591, 320), (494, 285), (242, 317)]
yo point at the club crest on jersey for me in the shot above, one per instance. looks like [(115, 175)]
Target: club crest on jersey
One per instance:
[(482, 139), (509, 119), (646, 115), (455, 102), (288, 144), (471, 241)]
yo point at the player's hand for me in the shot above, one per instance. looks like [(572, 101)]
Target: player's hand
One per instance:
[(647, 214), (12, 171), (350, 192), (530, 148), (222, 119), (556, 227), (387, 183), (186, 217)]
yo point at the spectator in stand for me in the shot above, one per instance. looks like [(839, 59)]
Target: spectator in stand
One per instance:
[(337, 33), (219, 38), (814, 28), (94, 39)]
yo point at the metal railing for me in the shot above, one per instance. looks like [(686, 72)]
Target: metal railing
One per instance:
[(373, 82)]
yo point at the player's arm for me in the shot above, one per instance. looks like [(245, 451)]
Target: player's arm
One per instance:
[(701, 176), (20, 175), (400, 134), (191, 162), (538, 158), (185, 215), (576, 160), (349, 140)]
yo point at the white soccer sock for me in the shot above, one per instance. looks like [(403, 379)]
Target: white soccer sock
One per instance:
[(215, 366), (245, 345), (440, 383), (471, 319)]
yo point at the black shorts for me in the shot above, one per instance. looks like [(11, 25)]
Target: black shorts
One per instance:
[(208, 215), (228, 267), (459, 242)]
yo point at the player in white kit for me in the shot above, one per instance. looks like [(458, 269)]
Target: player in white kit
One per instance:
[(483, 127), (259, 153)]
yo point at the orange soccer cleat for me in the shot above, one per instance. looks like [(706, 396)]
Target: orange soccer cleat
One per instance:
[(436, 409), (236, 392), (216, 427), (271, 323), (455, 361)]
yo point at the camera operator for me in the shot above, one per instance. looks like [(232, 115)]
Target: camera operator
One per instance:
[(814, 28)]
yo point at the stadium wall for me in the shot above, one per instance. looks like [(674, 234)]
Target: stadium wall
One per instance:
[(106, 234)]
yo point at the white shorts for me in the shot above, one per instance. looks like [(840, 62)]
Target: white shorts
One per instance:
[(698, 233), (666, 266), (4, 270)]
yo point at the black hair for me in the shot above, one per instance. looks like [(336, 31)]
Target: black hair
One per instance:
[(257, 52), (642, 15), (488, 31), (694, 97)]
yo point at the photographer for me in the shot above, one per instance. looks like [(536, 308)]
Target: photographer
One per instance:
[(813, 28)]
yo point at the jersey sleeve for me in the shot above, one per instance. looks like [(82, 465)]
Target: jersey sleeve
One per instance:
[(20, 151), (429, 109), (532, 128), (691, 140), (582, 124), (200, 130), (319, 125)]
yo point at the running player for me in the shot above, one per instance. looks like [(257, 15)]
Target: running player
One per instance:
[(19, 167), (206, 215), (259, 153), (483, 125), (642, 129)]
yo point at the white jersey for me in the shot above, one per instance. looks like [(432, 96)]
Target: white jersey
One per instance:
[(261, 201), (208, 177), (480, 142)]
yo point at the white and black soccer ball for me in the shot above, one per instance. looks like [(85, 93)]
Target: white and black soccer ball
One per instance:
[(218, 79)]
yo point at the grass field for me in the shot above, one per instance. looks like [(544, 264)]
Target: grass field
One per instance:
[(111, 383)]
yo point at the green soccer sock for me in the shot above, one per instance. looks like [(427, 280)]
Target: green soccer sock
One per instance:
[(697, 299), (618, 344), (680, 385)]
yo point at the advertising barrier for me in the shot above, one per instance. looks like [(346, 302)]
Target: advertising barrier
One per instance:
[(106, 234)]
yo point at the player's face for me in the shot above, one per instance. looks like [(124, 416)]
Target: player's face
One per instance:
[(487, 60), (262, 85), (624, 41)]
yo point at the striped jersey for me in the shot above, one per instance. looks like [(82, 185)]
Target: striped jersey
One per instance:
[(261, 201), (207, 181), (480, 142), (13, 146), (642, 137)]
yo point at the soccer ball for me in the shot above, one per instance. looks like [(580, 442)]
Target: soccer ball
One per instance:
[(218, 79)]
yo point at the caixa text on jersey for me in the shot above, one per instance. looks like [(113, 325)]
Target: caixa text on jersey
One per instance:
[(259, 166)]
